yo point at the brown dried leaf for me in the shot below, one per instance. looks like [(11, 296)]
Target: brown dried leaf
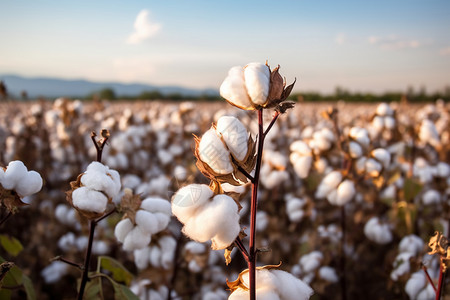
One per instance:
[(130, 204), (276, 85), (10, 200)]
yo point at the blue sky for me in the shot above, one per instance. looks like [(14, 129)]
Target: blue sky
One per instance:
[(360, 45)]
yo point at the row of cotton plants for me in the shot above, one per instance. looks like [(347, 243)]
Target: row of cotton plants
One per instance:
[(348, 198)]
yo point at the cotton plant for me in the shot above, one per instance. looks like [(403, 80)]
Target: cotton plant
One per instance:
[(378, 231), (228, 154)]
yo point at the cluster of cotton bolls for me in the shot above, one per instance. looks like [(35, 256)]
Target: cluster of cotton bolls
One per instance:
[(410, 246), (335, 189), (17, 177), (70, 242), (383, 122), (273, 170), (144, 289), (310, 267), (298, 209), (152, 217), (206, 216)]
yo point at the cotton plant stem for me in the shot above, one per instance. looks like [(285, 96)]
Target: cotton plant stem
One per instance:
[(253, 208), (5, 218), (87, 260), (429, 278), (441, 281), (343, 256)]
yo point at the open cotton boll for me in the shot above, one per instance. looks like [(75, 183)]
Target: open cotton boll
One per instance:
[(328, 183), (345, 192), (136, 239), (195, 247), (226, 236), (411, 244), (257, 82), (89, 200), (106, 181), (233, 89), (262, 220), (54, 272), (163, 220), (389, 122), (311, 261), (378, 123), (235, 136), (431, 197), (122, 229), (372, 167), (30, 184), (168, 246), (261, 294), (290, 287), (383, 109), (377, 232), (155, 256), (156, 204), (302, 165), (328, 274), (188, 199), (213, 152), (294, 209), (360, 135), (402, 265), (355, 150), (416, 284), (382, 155), (301, 147), (443, 169), (428, 133), (15, 172), (147, 221)]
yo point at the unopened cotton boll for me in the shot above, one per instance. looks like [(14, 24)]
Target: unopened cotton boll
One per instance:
[(378, 232), (213, 152), (86, 199), (235, 136)]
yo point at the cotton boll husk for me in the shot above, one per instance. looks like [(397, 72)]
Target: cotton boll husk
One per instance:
[(291, 288), (188, 199), (213, 152), (122, 229), (233, 88), (431, 197), (355, 150), (31, 184), (15, 172), (382, 156), (155, 204), (226, 187), (257, 82), (89, 200), (235, 136), (146, 221), (136, 239), (302, 165), (345, 192), (328, 274)]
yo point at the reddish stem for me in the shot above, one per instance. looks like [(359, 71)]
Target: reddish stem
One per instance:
[(441, 281), (424, 268)]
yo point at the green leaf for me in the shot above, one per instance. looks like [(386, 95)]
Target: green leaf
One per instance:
[(93, 289), (5, 294), (411, 189), (29, 289), (11, 244), (118, 272), (123, 292), (13, 278)]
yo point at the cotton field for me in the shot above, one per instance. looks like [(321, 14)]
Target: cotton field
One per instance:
[(350, 198)]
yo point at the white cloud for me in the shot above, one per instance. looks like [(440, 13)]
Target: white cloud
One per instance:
[(144, 28), (445, 51), (393, 42), (340, 39)]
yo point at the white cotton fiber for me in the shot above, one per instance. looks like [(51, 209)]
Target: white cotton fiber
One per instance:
[(30, 184), (372, 167), (168, 245), (136, 239), (415, 284), (383, 109), (355, 150), (155, 204), (377, 232), (155, 256), (382, 155), (141, 257), (300, 147), (213, 152), (401, 264), (15, 172), (311, 261), (411, 244), (328, 274), (360, 135), (54, 272), (188, 199), (233, 88), (345, 192), (290, 287), (431, 197), (89, 200), (257, 82), (146, 221), (328, 183), (122, 229), (302, 165), (235, 136), (101, 181), (195, 247), (163, 221)]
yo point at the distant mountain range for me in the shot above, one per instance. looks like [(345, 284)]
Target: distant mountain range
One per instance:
[(54, 87)]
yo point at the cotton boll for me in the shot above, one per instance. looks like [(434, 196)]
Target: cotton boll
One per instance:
[(154, 295), (264, 278), (302, 165), (301, 147), (402, 265), (30, 184), (155, 204), (235, 136), (383, 109), (257, 82), (382, 156), (294, 209), (389, 122), (146, 221), (427, 293), (213, 152), (136, 239), (291, 288), (188, 199), (328, 183), (311, 261), (355, 150), (262, 220), (345, 192), (378, 123), (54, 272), (105, 180), (168, 246), (428, 133), (233, 89), (67, 241), (360, 135), (122, 229), (130, 181), (100, 248), (155, 256), (443, 170), (165, 157), (163, 221), (89, 200), (328, 274), (411, 244), (274, 179), (431, 197), (415, 284), (372, 167), (15, 172), (377, 232), (141, 257)]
